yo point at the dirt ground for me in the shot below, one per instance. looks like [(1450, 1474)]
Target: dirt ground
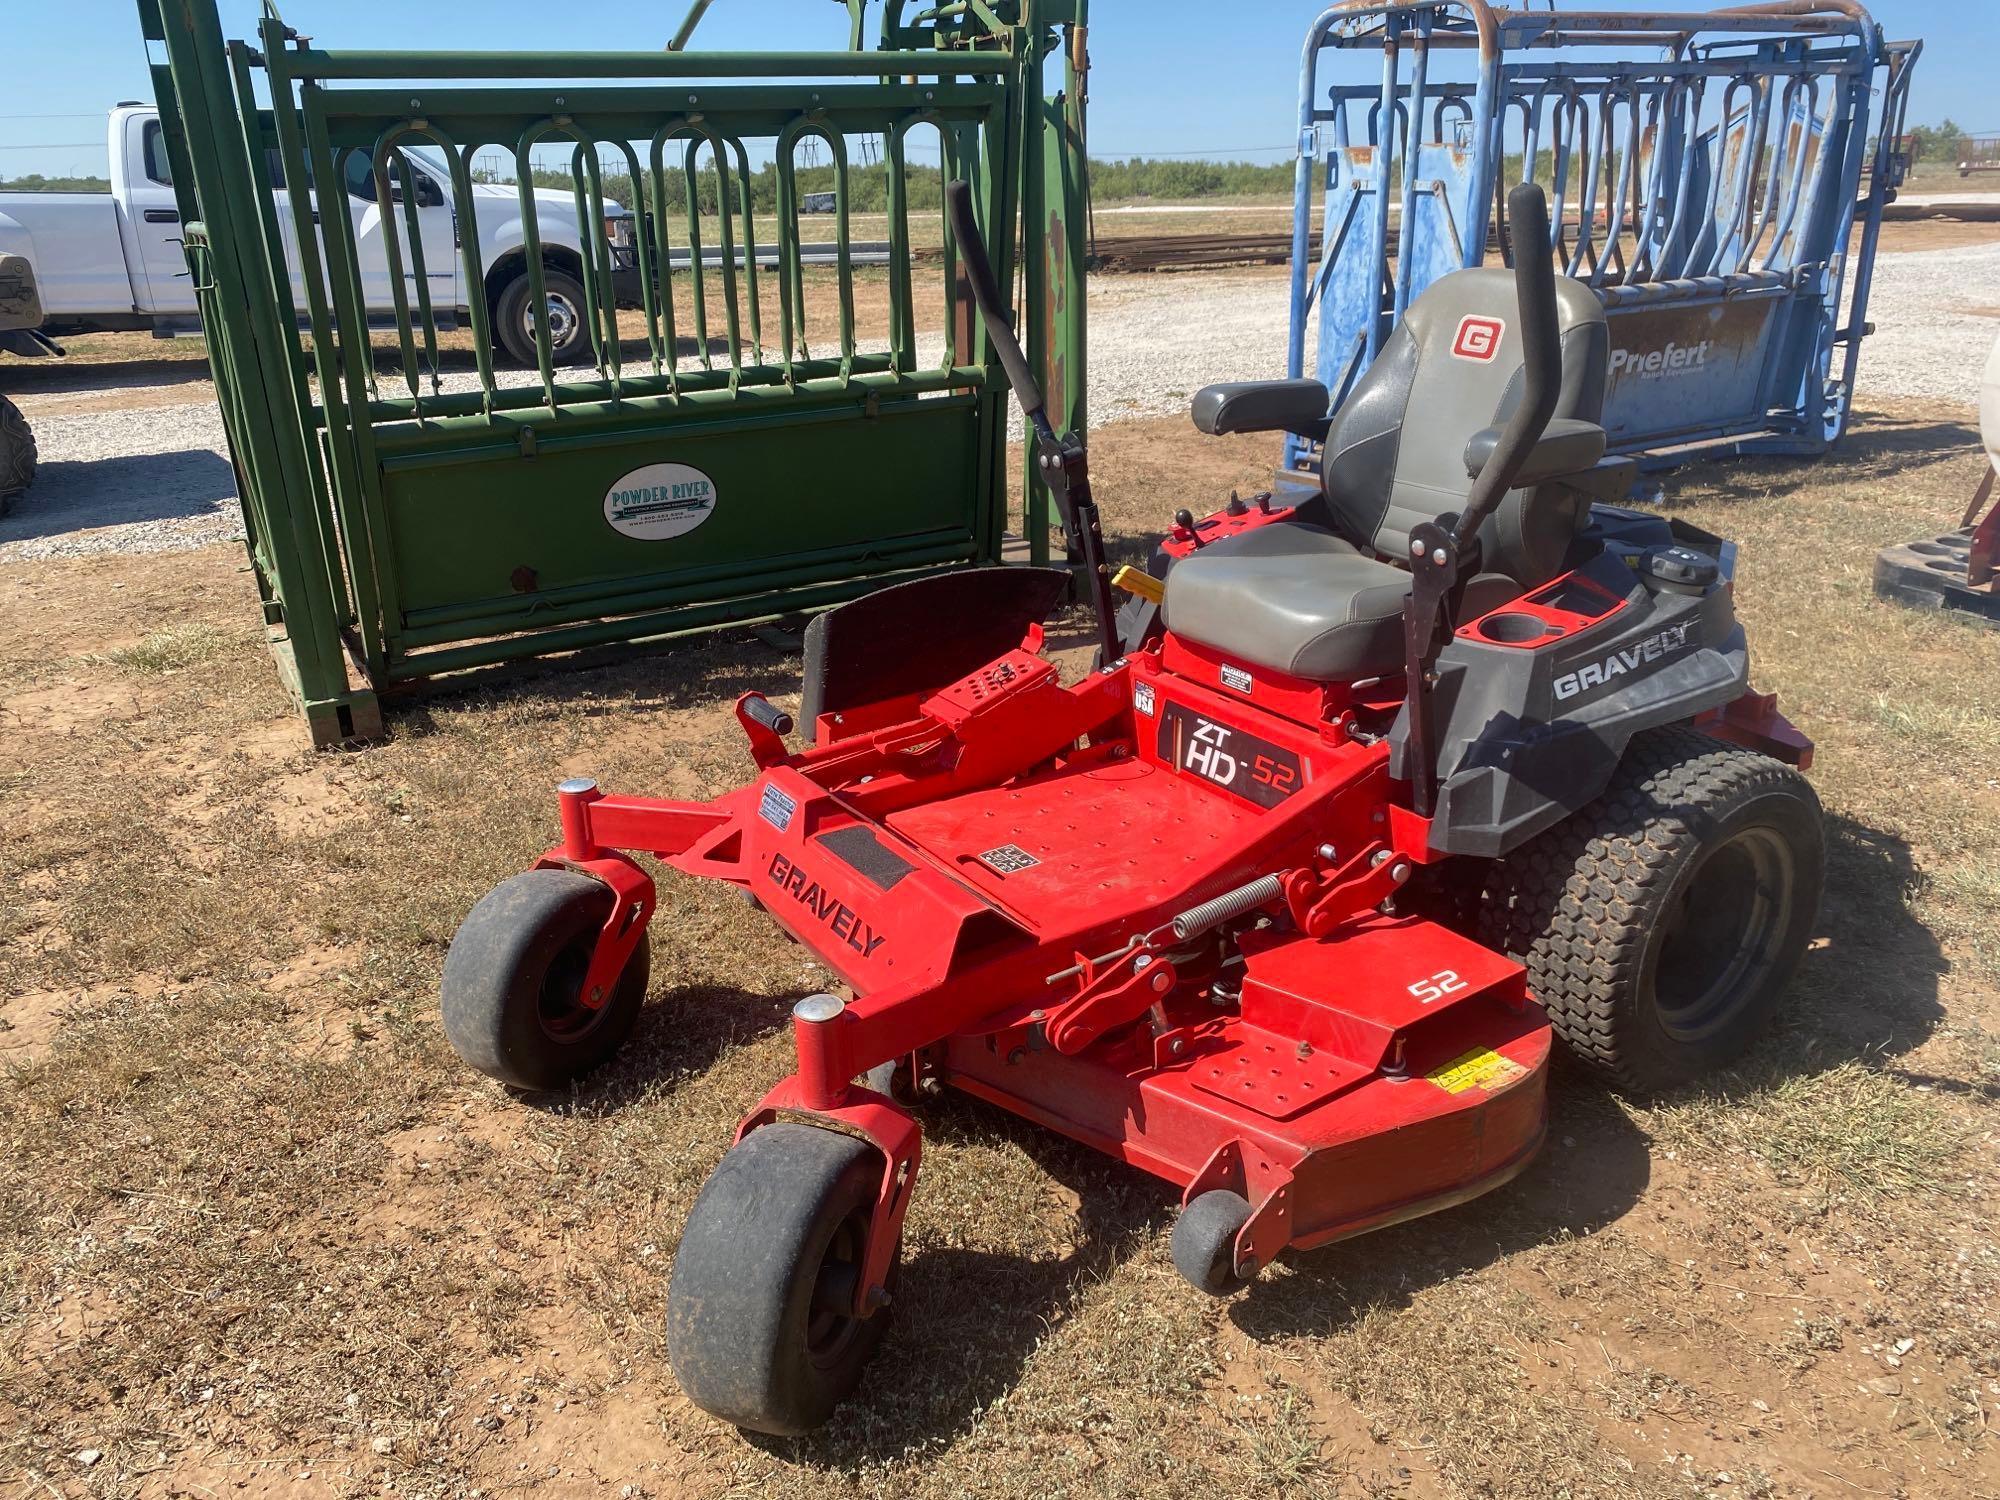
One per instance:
[(260, 1232)]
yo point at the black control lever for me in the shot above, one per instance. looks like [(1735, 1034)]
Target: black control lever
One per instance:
[(1439, 549), (1061, 461)]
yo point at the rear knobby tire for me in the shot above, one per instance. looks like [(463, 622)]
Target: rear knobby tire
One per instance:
[(17, 453), (758, 1328), (1660, 923), (512, 992)]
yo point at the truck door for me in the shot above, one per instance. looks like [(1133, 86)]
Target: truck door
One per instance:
[(435, 222), (153, 220)]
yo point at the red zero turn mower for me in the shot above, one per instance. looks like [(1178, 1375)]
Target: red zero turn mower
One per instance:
[(1281, 903)]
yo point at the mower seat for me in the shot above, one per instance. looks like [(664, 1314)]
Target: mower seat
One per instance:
[(1326, 604), (1293, 598)]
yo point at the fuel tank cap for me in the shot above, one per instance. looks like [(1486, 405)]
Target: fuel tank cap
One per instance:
[(1682, 570)]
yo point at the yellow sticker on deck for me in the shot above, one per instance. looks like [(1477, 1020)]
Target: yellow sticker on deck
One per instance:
[(1481, 1068)]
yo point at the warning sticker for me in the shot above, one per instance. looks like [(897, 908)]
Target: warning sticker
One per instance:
[(1481, 1068)]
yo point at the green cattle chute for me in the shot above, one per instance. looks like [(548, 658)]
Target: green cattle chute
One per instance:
[(426, 509)]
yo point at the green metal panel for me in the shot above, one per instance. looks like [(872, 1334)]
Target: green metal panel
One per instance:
[(413, 505), (474, 531)]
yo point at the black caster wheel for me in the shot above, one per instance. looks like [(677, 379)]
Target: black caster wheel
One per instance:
[(1204, 1242), (513, 982), (760, 1330)]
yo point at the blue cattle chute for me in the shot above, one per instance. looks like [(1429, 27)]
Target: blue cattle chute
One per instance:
[(1708, 174)]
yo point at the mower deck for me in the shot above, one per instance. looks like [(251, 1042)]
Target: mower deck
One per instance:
[(1341, 1070), (1299, 1113)]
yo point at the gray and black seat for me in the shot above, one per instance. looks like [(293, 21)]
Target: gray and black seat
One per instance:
[(1325, 603)]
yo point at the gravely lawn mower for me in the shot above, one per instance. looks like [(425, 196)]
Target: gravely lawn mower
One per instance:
[(1281, 903)]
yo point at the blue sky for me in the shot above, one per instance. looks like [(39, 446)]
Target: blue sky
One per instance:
[(1186, 77)]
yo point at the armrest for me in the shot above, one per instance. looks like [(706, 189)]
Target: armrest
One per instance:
[(1565, 447), (1263, 406)]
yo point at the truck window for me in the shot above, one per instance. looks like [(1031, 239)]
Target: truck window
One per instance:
[(153, 145), (359, 174)]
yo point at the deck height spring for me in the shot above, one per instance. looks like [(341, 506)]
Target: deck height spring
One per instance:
[(1213, 913)]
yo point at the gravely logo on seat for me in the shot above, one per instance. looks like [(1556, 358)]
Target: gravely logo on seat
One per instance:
[(829, 908)]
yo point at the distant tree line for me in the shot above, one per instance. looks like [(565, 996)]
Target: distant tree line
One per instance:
[(868, 183), (867, 187), (1936, 142), (35, 182), (1143, 177), (1136, 177)]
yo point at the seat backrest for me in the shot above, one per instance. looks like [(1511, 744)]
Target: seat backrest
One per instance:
[(1395, 454)]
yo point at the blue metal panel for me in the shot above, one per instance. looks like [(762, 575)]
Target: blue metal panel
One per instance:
[(1704, 176)]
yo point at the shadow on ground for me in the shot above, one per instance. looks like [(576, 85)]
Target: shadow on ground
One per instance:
[(1875, 446), (634, 679), (680, 1032), (54, 377), (81, 495), (1867, 991)]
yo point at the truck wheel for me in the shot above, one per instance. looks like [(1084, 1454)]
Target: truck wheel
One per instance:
[(1660, 924), (1204, 1242), (512, 992), (759, 1330), (569, 323), (17, 453)]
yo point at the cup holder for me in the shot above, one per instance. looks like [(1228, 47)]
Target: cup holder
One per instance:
[(1512, 628)]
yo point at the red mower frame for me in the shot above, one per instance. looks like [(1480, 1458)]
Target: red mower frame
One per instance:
[(979, 980), (1203, 918)]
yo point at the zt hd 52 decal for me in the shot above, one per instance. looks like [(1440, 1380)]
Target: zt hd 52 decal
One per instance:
[(1253, 768)]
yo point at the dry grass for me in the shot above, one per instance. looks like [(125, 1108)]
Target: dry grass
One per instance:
[(170, 650), (256, 1223)]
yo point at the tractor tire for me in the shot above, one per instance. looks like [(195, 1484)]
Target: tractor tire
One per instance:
[(569, 320), (1204, 1242), (759, 1331), (512, 992), (17, 454), (1660, 923)]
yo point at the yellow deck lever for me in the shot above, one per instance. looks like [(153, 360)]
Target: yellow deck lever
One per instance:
[(1145, 585)]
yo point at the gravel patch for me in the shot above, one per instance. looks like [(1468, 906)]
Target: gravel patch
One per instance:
[(158, 479), (152, 480), (1927, 343)]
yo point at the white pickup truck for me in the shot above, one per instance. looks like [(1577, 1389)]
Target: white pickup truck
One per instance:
[(107, 262)]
